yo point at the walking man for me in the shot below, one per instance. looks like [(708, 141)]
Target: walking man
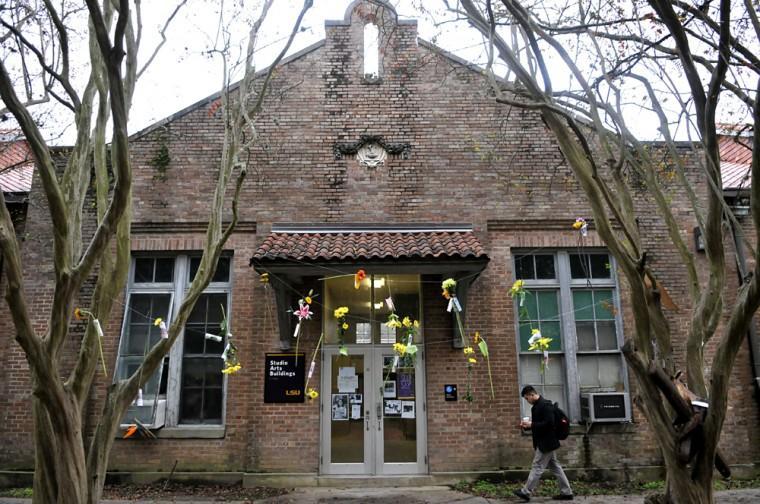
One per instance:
[(545, 443)]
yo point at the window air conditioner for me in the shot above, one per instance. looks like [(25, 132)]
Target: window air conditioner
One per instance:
[(605, 407)]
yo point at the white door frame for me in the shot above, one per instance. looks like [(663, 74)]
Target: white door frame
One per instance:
[(373, 427)]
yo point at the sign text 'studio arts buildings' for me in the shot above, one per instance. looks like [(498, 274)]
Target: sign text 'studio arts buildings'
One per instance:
[(412, 174)]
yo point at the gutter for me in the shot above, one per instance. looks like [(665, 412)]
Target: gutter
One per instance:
[(752, 336)]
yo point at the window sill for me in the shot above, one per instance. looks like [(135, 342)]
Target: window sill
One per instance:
[(191, 432)]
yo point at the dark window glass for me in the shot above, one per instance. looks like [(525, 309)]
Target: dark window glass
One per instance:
[(222, 273), (524, 267), (201, 394), (206, 317), (190, 408), (545, 267), (142, 334), (164, 378), (143, 270), (164, 269), (600, 266), (201, 398), (590, 266), (577, 267), (153, 270), (139, 336)]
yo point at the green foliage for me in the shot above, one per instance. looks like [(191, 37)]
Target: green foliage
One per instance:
[(22, 492), (161, 162), (549, 487), (653, 485)]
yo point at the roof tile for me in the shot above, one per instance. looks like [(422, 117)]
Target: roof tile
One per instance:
[(369, 245)]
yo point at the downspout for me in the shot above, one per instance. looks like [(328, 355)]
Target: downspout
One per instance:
[(752, 337)]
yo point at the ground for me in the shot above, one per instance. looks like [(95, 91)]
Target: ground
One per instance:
[(414, 495)]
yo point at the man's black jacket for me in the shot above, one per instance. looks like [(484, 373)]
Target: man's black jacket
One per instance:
[(542, 426)]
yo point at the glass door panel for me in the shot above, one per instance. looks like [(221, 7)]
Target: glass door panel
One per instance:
[(399, 413), (401, 443), (346, 434), (346, 413)]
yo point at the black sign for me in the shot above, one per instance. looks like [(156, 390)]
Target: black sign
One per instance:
[(450, 392), (284, 378)]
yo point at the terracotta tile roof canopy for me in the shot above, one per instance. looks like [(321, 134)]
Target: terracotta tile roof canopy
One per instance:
[(371, 245), (291, 253)]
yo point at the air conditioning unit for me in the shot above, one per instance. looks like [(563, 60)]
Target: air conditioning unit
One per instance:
[(606, 407)]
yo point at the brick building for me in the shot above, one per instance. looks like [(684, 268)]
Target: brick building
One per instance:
[(412, 173)]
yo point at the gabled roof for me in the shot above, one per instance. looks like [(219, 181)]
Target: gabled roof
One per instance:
[(16, 166)]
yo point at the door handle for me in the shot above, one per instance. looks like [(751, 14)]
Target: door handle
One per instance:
[(366, 418), (379, 416)]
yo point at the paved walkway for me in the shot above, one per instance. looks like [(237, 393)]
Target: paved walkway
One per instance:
[(421, 495)]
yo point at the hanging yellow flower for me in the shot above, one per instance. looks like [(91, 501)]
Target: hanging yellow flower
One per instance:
[(518, 288), (231, 369), (307, 299), (407, 322), (157, 322), (468, 350), (393, 321), (449, 288), (472, 360), (341, 312), (345, 326), (399, 348), (538, 342), (312, 394)]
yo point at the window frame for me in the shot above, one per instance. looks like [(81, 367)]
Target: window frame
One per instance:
[(565, 285), (177, 289)]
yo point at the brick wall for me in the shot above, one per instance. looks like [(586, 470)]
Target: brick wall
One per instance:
[(470, 161)]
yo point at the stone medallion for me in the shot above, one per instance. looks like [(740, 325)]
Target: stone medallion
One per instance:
[(371, 155)]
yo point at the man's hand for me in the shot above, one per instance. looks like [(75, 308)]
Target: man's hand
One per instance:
[(525, 424)]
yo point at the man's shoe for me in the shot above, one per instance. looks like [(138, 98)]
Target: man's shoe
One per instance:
[(522, 495), (563, 497)]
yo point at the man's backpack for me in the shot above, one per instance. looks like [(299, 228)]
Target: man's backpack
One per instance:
[(561, 423)]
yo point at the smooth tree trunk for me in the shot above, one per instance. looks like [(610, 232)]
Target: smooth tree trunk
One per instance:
[(60, 473)]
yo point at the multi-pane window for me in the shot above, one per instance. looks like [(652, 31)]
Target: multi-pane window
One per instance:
[(571, 297), (202, 383), (189, 387)]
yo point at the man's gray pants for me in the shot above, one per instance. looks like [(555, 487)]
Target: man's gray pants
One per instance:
[(541, 461)]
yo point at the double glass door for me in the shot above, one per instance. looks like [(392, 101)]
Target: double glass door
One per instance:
[(373, 415)]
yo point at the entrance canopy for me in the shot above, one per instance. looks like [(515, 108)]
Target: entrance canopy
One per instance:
[(292, 254)]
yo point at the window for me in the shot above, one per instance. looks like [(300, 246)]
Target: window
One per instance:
[(188, 388), (367, 309), (371, 52), (571, 298)]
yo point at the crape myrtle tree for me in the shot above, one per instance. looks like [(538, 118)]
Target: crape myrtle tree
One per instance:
[(582, 64), (39, 46)]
